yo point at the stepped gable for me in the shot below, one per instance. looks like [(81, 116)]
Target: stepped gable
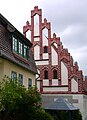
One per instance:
[(63, 56)]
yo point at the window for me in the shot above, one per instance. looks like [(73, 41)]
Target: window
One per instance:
[(45, 49), (54, 74), (29, 82), (25, 51), (20, 79), (45, 74), (14, 75), (20, 48), (14, 44)]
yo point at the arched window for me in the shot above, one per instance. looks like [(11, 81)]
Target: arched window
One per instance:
[(45, 74), (54, 74), (45, 49)]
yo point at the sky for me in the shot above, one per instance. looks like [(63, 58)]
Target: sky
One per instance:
[(68, 20)]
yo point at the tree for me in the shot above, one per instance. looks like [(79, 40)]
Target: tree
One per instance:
[(19, 103), (65, 115)]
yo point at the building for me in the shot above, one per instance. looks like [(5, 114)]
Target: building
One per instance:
[(16, 59), (59, 74)]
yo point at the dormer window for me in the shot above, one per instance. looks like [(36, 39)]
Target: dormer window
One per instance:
[(19, 47)]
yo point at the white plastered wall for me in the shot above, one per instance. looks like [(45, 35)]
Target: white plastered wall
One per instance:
[(36, 25), (64, 74), (54, 89), (54, 56), (45, 37), (74, 85), (37, 52), (38, 85), (28, 35), (54, 81), (42, 62), (45, 82), (45, 41), (36, 39), (85, 107), (45, 55), (80, 103)]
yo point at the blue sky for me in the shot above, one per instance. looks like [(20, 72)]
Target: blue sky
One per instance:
[(68, 20)]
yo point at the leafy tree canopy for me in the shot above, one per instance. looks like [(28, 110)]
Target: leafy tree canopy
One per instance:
[(17, 102)]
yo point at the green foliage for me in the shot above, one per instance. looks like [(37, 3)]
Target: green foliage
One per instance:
[(42, 115), (66, 115), (19, 103), (59, 115), (78, 115), (12, 95)]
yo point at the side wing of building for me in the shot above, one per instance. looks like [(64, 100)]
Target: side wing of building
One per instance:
[(16, 59)]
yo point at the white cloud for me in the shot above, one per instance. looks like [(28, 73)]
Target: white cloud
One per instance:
[(68, 18)]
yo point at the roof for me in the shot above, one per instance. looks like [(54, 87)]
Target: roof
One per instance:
[(12, 29), (6, 30), (61, 104)]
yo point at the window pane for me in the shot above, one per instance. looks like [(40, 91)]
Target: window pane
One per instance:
[(55, 74), (45, 49), (14, 75), (21, 79), (45, 74), (14, 44), (20, 48), (25, 51), (29, 82)]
